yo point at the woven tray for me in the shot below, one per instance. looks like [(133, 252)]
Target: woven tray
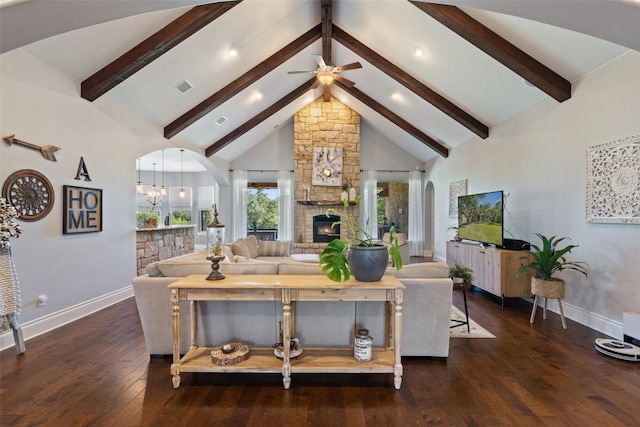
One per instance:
[(240, 352)]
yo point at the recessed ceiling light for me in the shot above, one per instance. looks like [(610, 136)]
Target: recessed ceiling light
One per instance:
[(221, 120), (232, 52), (257, 96), (396, 96), (184, 86), (418, 51)]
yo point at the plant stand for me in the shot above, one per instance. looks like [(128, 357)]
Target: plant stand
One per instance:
[(547, 289), (464, 287)]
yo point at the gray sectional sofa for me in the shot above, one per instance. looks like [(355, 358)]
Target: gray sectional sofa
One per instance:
[(426, 308)]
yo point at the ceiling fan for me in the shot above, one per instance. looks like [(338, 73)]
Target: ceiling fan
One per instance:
[(328, 73)]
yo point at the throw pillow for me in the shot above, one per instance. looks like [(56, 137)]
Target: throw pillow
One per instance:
[(229, 254), (274, 248), (239, 247), (252, 244)]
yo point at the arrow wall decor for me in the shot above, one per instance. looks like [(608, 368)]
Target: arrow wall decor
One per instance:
[(47, 151)]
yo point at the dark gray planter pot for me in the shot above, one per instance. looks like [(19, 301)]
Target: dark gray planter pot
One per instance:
[(368, 264)]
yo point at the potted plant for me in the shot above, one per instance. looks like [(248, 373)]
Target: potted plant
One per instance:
[(358, 253), (461, 274), (547, 260)]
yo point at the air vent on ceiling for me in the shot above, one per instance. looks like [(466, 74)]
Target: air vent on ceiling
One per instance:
[(184, 86), (221, 120)]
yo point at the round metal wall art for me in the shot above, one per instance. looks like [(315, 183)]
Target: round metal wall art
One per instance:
[(30, 192)]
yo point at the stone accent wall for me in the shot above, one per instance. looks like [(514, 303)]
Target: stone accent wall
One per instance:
[(157, 244), (323, 124)]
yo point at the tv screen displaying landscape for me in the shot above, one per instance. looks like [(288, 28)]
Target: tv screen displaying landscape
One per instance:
[(480, 217)]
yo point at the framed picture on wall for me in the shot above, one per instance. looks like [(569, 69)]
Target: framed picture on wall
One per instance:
[(81, 210), (456, 189), (327, 166), (613, 182)]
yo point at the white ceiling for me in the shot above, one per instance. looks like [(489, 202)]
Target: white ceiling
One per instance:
[(393, 28)]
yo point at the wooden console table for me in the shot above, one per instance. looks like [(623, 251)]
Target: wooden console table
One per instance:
[(288, 289)]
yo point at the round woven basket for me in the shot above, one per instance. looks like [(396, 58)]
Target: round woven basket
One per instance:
[(547, 288)]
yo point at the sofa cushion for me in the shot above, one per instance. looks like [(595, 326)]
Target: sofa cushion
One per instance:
[(299, 267), (182, 266), (252, 244), (228, 252), (422, 270), (240, 248), (274, 248), (153, 270), (249, 268), (246, 260)]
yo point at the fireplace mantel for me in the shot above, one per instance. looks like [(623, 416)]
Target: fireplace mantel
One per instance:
[(323, 203)]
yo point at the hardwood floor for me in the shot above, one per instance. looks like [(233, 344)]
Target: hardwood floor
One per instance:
[(95, 371)]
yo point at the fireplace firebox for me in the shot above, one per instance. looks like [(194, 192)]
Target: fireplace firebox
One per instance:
[(322, 230)]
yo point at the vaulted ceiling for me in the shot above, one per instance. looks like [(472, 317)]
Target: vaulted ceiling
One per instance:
[(477, 68)]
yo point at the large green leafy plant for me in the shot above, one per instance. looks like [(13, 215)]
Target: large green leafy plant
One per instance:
[(549, 259), (334, 256)]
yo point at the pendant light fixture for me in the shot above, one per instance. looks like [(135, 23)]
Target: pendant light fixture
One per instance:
[(139, 189), (163, 189), (182, 193)]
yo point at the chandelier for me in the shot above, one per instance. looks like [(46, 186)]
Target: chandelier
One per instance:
[(154, 194)]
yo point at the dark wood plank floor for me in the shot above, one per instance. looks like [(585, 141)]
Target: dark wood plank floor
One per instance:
[(95, 372)]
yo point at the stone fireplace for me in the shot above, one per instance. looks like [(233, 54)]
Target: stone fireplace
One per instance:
[(322, 125)]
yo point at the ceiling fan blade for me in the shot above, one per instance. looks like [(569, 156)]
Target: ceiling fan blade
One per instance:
[(319, 59), (302, 72), (351, 66), (346, 82)]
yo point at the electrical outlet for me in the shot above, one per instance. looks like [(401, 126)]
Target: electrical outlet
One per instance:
[(42, 300)]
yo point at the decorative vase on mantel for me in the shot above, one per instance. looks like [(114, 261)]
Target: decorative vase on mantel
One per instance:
[(352, 194)]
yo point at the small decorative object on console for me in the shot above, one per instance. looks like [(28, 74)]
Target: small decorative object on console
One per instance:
[(295, 349), (215, 243), (230, 354), (362, 346)]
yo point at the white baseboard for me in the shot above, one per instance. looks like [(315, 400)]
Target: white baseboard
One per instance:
[(577, 314), (33, 328)]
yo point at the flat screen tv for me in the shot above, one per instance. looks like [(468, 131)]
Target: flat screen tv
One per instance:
[(480, 217)]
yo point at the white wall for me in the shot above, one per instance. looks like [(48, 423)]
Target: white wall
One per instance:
[(539, 157), (78, 273)]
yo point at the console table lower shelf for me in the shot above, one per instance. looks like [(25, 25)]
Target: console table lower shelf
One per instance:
[(289, 289), (311, 361)]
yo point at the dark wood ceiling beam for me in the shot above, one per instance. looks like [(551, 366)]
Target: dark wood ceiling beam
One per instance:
[(259, 118), (411, 83), (395, 119), (242, 82), (152, 48), (327, 23), (498, 48)]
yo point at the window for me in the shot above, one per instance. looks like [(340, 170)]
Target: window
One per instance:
[(262, 211), (180, 217), (204, 205), (205, 218)]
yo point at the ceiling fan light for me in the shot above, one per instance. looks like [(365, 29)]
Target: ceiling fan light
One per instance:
[(325, 77)]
